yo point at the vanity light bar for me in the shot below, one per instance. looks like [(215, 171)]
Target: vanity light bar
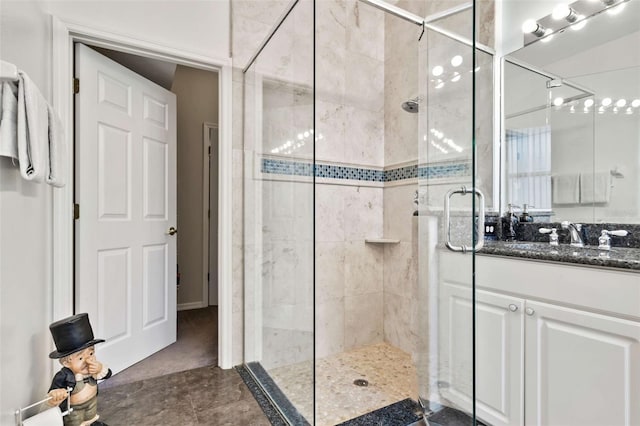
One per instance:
[(566, 15)]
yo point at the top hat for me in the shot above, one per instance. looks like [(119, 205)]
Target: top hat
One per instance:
[(71, 335)]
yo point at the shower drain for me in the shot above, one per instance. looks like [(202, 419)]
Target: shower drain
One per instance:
[(361, 382)]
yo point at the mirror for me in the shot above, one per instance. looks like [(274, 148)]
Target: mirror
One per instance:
[(572, 119)]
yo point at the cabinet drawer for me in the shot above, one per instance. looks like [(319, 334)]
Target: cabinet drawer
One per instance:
[(599, 290)]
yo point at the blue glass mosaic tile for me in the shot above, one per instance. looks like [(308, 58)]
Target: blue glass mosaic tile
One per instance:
[(297, 168)]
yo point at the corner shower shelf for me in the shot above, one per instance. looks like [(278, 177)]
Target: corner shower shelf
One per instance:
[(381, 240)]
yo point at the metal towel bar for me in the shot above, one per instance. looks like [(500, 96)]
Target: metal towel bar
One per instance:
[(19, 411)]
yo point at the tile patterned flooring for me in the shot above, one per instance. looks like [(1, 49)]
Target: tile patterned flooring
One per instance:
[(157, 391), (390, 372), (203, 396), (180, 385), (196, 346)]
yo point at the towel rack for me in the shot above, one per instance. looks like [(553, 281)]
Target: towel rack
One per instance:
[(18, 413), (8, 71)]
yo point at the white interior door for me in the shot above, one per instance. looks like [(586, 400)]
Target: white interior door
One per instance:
[(126, 187)]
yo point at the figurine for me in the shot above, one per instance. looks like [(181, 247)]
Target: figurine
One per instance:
[(75, 349)]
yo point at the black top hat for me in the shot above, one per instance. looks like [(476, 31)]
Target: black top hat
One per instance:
[(71, 335)]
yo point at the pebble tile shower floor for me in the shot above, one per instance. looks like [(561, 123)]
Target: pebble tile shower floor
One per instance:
[(389, 371)]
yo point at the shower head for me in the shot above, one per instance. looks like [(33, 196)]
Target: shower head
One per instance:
[(411, 105)]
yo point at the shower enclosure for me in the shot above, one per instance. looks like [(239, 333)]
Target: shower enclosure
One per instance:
[(361, 219)]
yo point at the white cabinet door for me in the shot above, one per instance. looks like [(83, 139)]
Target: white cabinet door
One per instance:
[(499, 353), (582, 368)]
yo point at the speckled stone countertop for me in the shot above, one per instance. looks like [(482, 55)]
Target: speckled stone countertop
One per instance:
[(617, 257)]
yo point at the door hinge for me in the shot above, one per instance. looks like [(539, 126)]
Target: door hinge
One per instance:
[(76, 211), (76, 85), (207, 277), (209, 213), (209, 151)]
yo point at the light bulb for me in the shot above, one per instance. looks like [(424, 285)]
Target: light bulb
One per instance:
[(558, 101), (456, 61), (440, 84), (601, 110), (563, 11), (532, 27), (588, 103), (456, 77), (306, 134), (635, 103), (615, 110), (606, 102), (437, 70), (621, 103), (629, 111)]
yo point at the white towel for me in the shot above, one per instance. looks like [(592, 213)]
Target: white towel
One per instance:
[(56, 175), (8, 117), (33, 130), (595, 187), (566, 189)]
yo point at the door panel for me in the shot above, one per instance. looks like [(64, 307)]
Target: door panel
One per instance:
[(126, 187), (499, 349), (564, 384)]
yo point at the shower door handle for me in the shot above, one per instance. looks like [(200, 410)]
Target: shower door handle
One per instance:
[(479, 226)]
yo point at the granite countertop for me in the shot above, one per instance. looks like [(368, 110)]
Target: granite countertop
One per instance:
[(618, 257)]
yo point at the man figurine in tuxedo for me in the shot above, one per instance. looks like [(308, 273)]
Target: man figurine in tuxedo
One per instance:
[(75, 349)]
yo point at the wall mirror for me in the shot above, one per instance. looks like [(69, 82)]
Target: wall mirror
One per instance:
[(571, 140)]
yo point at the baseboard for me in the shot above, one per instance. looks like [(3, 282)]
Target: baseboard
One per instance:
[(191, 305)]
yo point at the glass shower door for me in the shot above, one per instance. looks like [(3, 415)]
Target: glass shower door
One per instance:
[(455, 178), (278, 215)]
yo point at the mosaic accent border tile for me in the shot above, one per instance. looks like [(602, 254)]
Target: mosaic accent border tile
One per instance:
[(298, 168)]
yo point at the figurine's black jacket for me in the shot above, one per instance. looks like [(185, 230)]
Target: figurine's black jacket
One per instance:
[(66, 379)]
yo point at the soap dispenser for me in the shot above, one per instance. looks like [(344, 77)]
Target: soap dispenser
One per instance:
[(509, 224), (525, 217)]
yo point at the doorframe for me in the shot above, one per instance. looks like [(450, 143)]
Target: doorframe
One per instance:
[(65, 34), (206, 196)]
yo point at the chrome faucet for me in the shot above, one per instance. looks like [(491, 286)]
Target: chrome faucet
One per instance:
[(575, 230), (604, 242)]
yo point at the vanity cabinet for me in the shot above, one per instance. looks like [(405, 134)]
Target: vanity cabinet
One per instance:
[(555, 344), (581, 368)]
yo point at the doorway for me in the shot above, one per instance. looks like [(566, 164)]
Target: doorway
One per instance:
[(196, 93)]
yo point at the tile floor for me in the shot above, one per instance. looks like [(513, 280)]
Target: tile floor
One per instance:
[(180, 385), (202, 396), (196, 346), (390, 372)]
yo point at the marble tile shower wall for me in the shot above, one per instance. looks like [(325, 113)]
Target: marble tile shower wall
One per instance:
[(252, 20), (366, 66), (279, 214), (350, 116)]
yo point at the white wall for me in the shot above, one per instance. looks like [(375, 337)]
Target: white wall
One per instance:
[(197, 27), (200, 27), (25, 233)]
